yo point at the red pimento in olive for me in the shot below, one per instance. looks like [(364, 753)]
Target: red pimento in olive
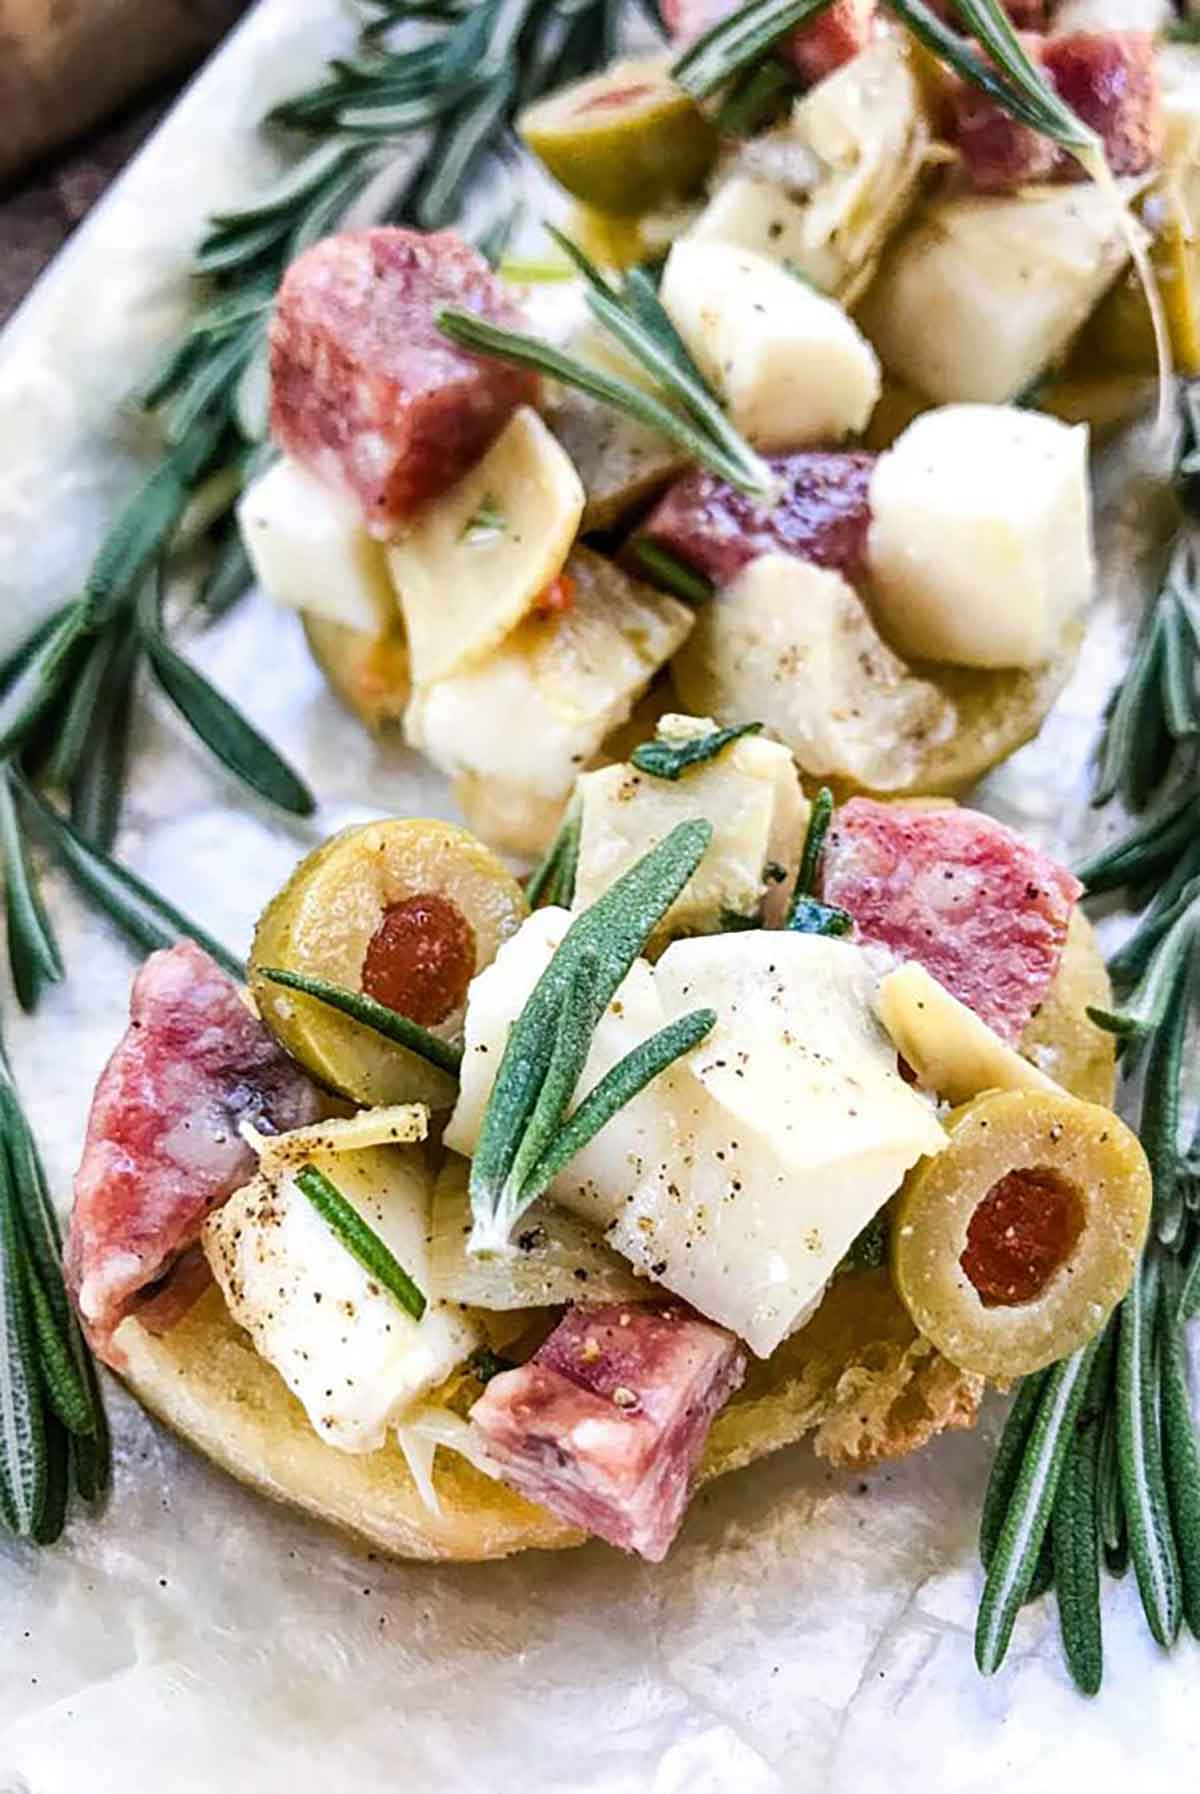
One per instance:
[(1023, 1232), (421, 958)]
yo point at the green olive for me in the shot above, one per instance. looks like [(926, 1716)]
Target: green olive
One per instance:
[(624, 140), (407, 911), (1011, 1248)]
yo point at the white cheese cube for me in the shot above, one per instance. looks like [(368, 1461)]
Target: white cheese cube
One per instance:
[(341, 1343), (793, 645), (310, 551), (980, 546), (750, 794), (534, 712), (475, 560), (790, 366), (986, 291)]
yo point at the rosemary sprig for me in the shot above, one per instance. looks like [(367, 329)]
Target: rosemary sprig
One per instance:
[(672, 574), (553, 879), (388, 1023), (554, 1030), (360, 1239), (740, 41), (671, 759), (806, 913)]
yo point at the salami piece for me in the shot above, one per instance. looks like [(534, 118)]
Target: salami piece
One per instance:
[(818, 48), (606, 1423), (1108, 78), (823, 517), (163, 1148), (365, 390), (981, 909)]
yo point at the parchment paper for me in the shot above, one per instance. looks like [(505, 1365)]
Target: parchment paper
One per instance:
[(810, 1632)]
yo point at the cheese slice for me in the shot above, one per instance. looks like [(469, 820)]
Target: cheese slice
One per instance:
[(310, 551), (952, 1051)]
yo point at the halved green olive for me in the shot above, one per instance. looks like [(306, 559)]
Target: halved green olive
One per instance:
[(406, 911), (624, 140), (1011, 1248)]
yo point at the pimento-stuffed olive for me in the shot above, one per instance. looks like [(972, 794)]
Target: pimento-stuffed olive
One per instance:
[(1012, 1246), (404, 911)]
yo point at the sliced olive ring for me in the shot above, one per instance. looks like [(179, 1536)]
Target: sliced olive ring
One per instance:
[(405, 911), (1010, 1248)]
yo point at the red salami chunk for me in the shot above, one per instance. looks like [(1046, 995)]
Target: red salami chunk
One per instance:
[(365, 390), (821, 46), (823, 516), (163, 1148), (1109, 79), (606, 1423), (982, 910)]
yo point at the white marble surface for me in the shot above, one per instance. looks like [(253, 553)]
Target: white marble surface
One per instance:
[(810, 1633)]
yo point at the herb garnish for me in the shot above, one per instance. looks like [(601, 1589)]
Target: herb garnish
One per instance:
[(360, 1239), (526, 1137), (670, 572), (382, 1020), (553, 879), (665, 759), (683, 407), (806, 913)]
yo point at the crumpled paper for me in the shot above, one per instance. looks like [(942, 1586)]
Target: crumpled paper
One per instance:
[(811, 1632)]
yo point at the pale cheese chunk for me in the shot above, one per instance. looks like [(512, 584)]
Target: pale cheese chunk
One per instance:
[(984, 292), (951, 1050), (822, 192), (790, 366), (750, 794), (310, 551), (793, 644), (341, 1343), (534, 711), (980, 544), (475, 560)]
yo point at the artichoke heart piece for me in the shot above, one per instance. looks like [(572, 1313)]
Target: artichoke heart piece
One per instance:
[(341, 1342), (477, 559), (823, 193), (750, 794), (407, 911), (983, 293), (952, 1052), (1012, 1247), (532, 714), (793, 645), (624, 140)]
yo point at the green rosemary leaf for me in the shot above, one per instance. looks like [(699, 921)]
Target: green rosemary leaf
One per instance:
[(300, 183), (1075, 1530), (577, 1019), (208, 385), (148, 522), (1006, 1464), (740, 41), (487, 339), (807, 915), (91, 1453), (671, 759), (1135, 728), (814, 846), (1114, 1535), (222, 727), (553, 879), (138, 911), (1179, 890), (1151, 999), (40, 679), (756, 97), (627, 1078), (868, 1249), (1181, 1455), (63, 1385), (229, 577), (53, 1516), (326, 212), (98, 786), (1016, 1554), (667, 570), (1027, 99), (1180, 700), (360, 1239), (1148, 851), (22, 1417), (464, 140), (1143, 1485), (1188, 1300), (616, 928), (1050, 114), (388, 1023), (33, 954), (1159, 1122), (224, 252), (1042, 1580)]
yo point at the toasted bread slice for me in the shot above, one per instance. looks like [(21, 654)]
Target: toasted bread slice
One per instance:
[(858, 1376)]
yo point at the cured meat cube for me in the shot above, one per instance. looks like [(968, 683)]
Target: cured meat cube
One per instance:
[(817, 48), (607, 1421), (365, 390), (822, 517), (162, 1148), (1107, 77), (983, 911)]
